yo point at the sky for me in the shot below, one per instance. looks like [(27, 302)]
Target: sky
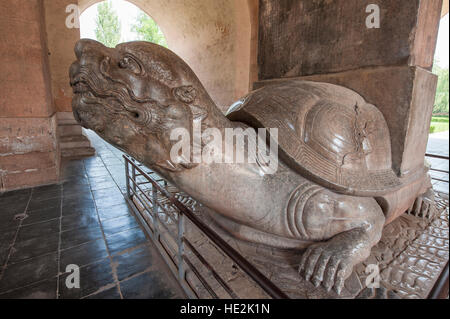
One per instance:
[(442, 44), (128, 13)]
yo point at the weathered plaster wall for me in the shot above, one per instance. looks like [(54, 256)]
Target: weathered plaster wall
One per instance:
[(444, 8), (61, 41), (28, 150), (213, 37)]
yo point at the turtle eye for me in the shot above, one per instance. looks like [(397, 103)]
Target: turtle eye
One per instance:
[(131, 64)]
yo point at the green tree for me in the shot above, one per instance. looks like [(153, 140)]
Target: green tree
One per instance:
[(441, 102), (108, 27), (148, 30)]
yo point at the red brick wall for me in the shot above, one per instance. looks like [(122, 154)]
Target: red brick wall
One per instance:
[(29, 152)]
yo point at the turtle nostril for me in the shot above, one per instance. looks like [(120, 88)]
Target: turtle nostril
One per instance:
[(104, 65), (74, 70)]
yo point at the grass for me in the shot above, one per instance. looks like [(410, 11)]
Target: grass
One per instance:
[(443, 119), (439, 124)]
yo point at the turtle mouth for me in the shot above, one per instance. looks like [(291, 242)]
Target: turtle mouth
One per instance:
[(80, 87), (84, 106), (82, 90), (79, 84), (89, 120)]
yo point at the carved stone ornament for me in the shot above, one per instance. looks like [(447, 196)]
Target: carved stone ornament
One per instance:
[(334, 189)]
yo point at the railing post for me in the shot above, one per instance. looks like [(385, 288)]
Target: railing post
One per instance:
[(181, 270), (127, 175), (155, 210), (133, 175), (181, 259)]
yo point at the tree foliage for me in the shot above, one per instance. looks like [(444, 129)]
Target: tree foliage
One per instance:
[(148, 30), (441, 102), (108, 27)]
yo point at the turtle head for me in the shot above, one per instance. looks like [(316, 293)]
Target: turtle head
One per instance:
[(134, 95)]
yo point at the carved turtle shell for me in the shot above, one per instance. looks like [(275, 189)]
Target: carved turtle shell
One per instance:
[(327, 133)]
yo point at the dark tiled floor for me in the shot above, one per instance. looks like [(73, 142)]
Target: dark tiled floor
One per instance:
[(82, 221)]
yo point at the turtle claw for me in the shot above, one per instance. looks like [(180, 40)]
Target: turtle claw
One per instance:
[(423, 206), (328, 264)]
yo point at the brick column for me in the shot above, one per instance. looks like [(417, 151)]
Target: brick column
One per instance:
[(29, 153), (61, 43)]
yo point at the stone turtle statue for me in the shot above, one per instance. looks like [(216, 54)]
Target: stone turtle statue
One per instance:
[(334, 188)]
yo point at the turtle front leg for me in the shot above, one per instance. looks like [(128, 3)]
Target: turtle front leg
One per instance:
[(347, 228), (331, 263)]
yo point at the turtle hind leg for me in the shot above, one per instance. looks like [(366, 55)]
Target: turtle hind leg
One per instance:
[(347, 228)]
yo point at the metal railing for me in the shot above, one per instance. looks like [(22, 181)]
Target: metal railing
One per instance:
[(164, 212), (159, 208), (440, 289), (439, 171)]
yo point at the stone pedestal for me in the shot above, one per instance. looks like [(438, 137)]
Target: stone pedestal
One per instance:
[(390, 66), (72, 141), (405, 96)]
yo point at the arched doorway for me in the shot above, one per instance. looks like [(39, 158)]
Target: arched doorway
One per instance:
[(216, 38), (119, 21)]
